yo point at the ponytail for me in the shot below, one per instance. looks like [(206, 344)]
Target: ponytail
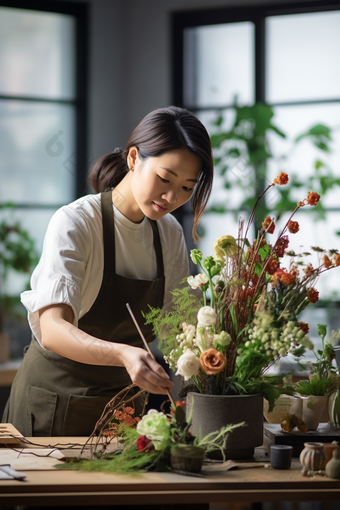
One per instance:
[(108, 171)]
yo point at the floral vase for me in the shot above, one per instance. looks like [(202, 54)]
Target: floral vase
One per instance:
[(334, 410), (212, 412), (284, 405), (312, 409), (187, 458)]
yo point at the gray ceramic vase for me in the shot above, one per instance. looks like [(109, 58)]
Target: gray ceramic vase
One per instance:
[(212, 412)]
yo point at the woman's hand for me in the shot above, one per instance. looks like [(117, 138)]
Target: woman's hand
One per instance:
[(144, 371)]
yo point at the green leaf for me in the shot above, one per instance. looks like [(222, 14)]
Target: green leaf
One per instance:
[(258, 268), (180, 415), (263, 252)]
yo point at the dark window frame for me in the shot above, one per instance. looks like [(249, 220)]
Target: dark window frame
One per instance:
[(80, 11)]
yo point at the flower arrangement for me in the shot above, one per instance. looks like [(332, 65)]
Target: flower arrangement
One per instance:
[(227, 345), (148, 443)]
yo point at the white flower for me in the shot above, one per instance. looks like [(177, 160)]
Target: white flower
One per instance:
[(197, 281), (188, 365), (222, 339), (206, 316), (156, 427)]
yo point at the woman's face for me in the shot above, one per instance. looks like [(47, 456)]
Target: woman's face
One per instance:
[(161, 184)]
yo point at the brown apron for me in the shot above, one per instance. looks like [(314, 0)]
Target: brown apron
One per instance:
[(54, 396)]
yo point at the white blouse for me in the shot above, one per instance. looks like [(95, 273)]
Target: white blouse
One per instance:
[(70, 269)]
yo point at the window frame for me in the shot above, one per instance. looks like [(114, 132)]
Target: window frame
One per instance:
[(80, 13)]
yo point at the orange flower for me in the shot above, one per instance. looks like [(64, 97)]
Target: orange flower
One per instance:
[(327, 261), (272, 266), (313, 295), (312, 197), (337, 259), (294, 271), (128, 420), (129, 410), (304, 327), (309, 270), (293, 227), (269, 225), (212, 361), (281, 179), (179, 403), (287, 279)]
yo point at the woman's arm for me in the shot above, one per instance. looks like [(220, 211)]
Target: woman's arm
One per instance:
[(60, 336)]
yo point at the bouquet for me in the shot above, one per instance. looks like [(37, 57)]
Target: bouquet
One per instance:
[(227, 345)]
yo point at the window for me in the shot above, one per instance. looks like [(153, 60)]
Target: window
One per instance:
[(42, 112), (285, 56)]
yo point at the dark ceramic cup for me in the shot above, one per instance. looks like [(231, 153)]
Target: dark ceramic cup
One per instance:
[(280, 456)]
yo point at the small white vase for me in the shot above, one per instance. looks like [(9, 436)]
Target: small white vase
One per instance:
[(312, 409), (285, 404)]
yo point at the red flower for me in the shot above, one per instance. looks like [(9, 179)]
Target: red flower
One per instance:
[(269, 225), (142, 442), (312, 197), (304, 327), (272, 266), (129, 410), (281, 246), (313, 295), (293, 227), (281, 179)]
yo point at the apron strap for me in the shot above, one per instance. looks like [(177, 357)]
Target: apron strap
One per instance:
[(109, 237)]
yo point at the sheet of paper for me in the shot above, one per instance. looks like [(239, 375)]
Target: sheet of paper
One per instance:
[(31, 459)]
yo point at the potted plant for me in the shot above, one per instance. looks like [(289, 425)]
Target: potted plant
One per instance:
[(17, 255), (155, 442), (225, 348), (323, 381)]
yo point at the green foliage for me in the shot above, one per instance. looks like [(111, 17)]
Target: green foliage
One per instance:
[(242, 154), (17, 254), (166, 326), (314, 387)]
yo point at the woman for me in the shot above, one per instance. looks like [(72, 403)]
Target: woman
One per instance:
[(100, 252)]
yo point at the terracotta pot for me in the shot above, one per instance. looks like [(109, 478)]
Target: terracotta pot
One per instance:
[(313, 456), (329, 448), (212, 412), (285, 404), (334, 410), (187, 458), (312, 409)]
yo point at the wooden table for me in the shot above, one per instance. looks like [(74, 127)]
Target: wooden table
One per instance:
[(247, 485)]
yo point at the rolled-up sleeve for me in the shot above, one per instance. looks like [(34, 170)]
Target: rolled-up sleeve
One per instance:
[(59, 275)]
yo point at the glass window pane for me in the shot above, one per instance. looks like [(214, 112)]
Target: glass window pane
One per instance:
[(301, 158), (37, 152), (37, 54), (219, 64), (302, 57)]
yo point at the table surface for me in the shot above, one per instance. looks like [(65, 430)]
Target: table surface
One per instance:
[(260, 484)]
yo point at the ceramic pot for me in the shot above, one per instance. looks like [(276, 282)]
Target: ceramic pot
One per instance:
[(329, 449), (281, 456), (333, 466), (313, 456), (312, 409), (334, 410), (284, 405), (212, 412), (187, 458)]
